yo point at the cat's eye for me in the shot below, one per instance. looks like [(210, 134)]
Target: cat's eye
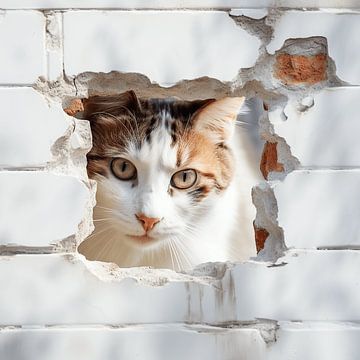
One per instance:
[(184, 179), (123, 169)]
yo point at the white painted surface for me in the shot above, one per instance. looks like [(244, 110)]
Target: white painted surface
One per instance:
[(176, 45), (22, 42), (39, 208), (54, 46), (313, 285), (324, 208), (150, 342), (336, 27), (30, 127), (251, 13), (327, 134), (314, 341), (294, 341), (316, 208), (174, 4)]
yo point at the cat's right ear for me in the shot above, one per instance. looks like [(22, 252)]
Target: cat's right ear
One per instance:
[(125, 103), (216, 119)]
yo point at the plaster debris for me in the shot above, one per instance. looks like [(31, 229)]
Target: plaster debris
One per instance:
[(266, 218)]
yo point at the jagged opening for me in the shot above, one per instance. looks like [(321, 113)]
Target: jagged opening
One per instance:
[(248, 156)]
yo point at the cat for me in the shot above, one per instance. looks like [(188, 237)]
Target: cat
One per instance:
[(173, 180)]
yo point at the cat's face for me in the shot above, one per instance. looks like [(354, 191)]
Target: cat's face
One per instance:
[(160, 164)]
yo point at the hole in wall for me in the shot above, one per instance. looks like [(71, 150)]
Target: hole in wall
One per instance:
[(174, 179)]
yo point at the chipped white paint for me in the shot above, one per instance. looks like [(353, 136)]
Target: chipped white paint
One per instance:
[(58, 306), (54, 45), (177, 45), (335, 27)]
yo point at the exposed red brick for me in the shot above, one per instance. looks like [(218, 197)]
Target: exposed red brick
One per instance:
[(75, 106), (295, 69), (260, 237), (269, 160)]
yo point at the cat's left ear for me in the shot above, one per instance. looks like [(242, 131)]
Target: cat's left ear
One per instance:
[(217, 119)]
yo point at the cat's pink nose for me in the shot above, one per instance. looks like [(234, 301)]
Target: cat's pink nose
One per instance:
[(147, 222)]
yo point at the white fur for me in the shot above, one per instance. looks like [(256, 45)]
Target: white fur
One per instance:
[(218, 228)]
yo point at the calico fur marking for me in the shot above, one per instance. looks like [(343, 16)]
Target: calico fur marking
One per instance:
[(160, 137)]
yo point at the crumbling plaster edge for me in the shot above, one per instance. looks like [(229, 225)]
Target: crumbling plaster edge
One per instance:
[(249, 82)]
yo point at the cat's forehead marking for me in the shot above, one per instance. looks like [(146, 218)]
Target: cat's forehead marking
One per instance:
[(159, 151)]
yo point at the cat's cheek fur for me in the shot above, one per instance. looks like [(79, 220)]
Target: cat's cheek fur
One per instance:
[(126, 201)]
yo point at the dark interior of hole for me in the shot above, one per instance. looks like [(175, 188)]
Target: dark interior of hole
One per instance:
[(174, 179)]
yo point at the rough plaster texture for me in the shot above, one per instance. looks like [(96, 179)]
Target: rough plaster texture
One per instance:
[(334, 27), (284, 304)]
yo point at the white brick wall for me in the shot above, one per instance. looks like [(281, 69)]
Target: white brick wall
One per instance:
[(29, 134), (176, 45), (39, 208), (326, 134), (319, 215), (335, 27), (22, 58), (298, 299)]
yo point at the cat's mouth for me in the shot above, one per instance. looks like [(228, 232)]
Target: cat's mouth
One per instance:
[(142, 239)]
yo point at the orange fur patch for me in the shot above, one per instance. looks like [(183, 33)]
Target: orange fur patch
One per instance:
[(214, 163)]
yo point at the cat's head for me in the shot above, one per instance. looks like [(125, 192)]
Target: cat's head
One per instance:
[(160, 165)]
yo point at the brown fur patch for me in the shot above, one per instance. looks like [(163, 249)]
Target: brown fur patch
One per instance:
[(98, 166), (117, 120)]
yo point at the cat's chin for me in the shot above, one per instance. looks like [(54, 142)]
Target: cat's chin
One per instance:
[(143, 241)]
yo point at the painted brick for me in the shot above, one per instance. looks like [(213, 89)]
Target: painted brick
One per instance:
[(22, 58), (336, 27), (308, 285), (324, 208), (313, 341), (59, 290), (38, 126), (150, 342), (39, 208), (326, 134), (177, 45)]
